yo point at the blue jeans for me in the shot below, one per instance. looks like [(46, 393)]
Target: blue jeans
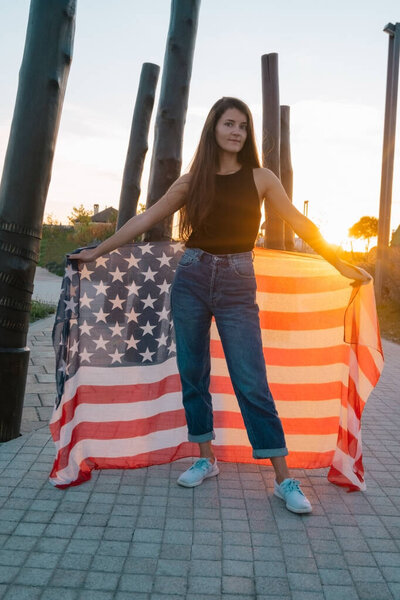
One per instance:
[(224, 286)]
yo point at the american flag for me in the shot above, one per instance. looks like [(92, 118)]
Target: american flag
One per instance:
[(118, 389)]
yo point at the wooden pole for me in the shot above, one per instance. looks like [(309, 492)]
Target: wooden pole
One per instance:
[(271, 141), (166, 160), (389, 137), (138, 143), (23, 190), (286, 169)]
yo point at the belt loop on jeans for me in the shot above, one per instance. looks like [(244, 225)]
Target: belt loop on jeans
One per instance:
[(200, 254)]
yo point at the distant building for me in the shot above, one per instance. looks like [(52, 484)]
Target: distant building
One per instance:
[(108, 215)]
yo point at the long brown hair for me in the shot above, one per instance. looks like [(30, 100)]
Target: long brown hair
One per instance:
[(205, 164)]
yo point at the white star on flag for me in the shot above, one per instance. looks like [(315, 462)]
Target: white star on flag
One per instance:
[(176, 247), (146, 249), (172, 347), (147, 355), (149, 274), (100, 343), (147, 329), (85, 328), (163, 314), (74, 348), (117, 275), (70, 304), (101, 316), (116, 329), (164, 260), (117, 302), (164, 287), (85, 355), (132, 343), (101, 262), (133, 288), (162, 340), (132, 315), (85, 273), (132, 261), (116, 357), (85, 301), (149, 301), (101, 288), (69, 272)]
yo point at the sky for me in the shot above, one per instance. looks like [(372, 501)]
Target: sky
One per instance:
[(332, 72)]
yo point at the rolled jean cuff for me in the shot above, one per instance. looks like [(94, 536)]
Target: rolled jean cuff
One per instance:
[(204, 437), (270, 452)]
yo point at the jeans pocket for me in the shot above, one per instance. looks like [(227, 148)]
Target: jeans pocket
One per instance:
[(188, 258), (243, 267)]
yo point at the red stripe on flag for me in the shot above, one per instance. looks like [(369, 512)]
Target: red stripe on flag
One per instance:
[(301, 321), (121, 394), (295, 357), (299, 285), (367, 364)]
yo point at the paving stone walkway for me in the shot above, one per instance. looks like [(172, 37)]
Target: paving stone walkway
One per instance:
[(136, 535)]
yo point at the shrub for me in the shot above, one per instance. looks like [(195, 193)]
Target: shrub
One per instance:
[(85, 235), (40, 310)]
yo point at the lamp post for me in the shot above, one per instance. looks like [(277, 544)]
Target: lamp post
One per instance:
[(389, 137)]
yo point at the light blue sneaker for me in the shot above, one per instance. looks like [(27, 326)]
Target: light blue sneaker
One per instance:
[(289, 491), (199, 471)]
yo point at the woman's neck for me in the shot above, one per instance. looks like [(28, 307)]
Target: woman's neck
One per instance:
[(228, 163)]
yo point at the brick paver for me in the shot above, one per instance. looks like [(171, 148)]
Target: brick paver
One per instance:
[(122, 536), (40, 386)]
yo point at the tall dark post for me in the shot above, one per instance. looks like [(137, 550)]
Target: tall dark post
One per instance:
[(286, 169), (166, 160), (138, 143), (271, 141), (25, 181), (389, 137)]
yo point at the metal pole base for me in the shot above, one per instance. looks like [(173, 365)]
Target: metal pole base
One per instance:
[(13, 371)]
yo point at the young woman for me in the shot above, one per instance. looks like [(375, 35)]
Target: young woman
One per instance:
[(220, 200)]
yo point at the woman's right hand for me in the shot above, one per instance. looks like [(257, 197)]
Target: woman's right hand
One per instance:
[(84, 256)]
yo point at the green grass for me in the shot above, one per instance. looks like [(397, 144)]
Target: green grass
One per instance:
[(40, 310)]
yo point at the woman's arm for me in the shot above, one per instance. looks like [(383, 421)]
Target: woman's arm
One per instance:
[(272, 190), (169, 203)]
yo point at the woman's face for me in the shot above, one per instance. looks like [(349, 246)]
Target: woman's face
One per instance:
[(231, 130)]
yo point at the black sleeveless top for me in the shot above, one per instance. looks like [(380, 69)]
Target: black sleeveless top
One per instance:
[(234, 220)]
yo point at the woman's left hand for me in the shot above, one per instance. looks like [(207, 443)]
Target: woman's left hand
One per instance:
[(360, 276)]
